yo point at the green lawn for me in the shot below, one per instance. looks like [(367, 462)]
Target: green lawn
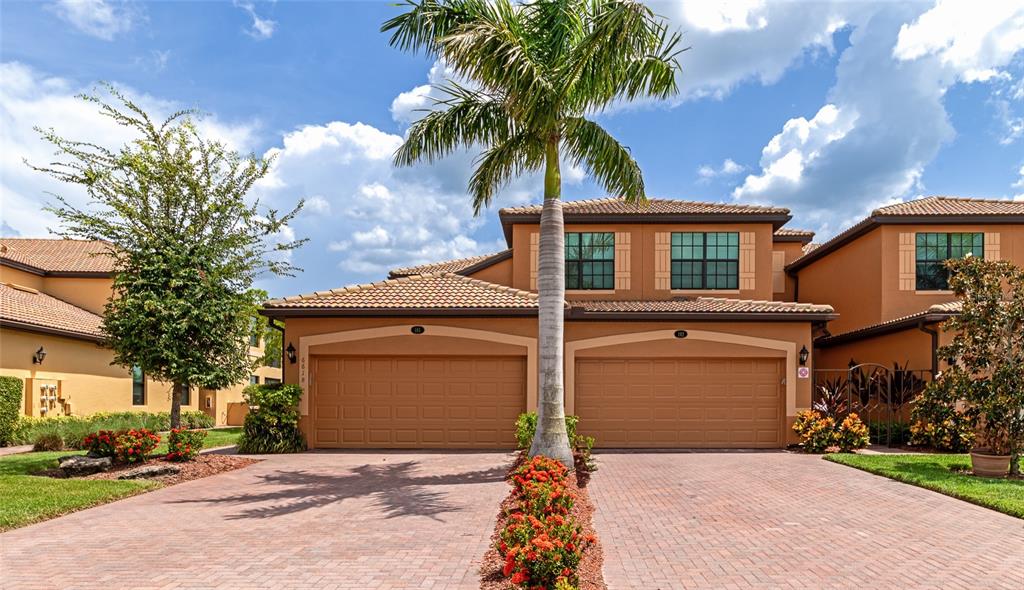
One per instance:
[(28, 498), (934, 472)]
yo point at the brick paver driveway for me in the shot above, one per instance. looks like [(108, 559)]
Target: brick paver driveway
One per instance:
[(316, 520), (745, 520)]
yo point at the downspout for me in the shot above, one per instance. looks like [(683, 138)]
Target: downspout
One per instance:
[(935, 346), (273, 324)]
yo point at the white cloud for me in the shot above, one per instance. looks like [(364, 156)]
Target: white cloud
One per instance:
[(262, 28), (29, 98), (708, 172), (1019, 184), (412, 104), (101, 19), (969, 37), (317, 204)]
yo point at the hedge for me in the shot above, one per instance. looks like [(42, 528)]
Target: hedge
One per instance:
[(11, 389)]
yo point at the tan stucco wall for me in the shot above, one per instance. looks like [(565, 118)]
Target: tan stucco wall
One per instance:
[(791, 251), (850, 280), (789, 336), (87, 381), (20, 277), (642, 259), (499, 273), (89, 294)]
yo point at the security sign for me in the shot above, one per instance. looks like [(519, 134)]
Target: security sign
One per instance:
[(803, 372)]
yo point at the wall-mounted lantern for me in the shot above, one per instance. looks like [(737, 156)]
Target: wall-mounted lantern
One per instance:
[(804, 353), (39, 356), (290, 351)]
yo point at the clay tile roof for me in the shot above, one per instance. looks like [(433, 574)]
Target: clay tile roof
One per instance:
[(783, 232), (936, 312), (952, 206), (619, 206), (57, 255), (703, 305), (417, 292), (29, 308), (456, 266), (963, 209), (811, 247)]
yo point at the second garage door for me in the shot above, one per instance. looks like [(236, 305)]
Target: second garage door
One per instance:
[(416, 402), (680, 403)]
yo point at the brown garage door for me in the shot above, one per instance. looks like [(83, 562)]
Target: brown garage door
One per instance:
[(700, 403), (416, 402)]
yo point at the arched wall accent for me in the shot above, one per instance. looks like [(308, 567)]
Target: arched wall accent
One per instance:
[(530, 344), (571, 348)]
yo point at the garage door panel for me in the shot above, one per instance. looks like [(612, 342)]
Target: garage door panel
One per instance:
[(712, 403), (409, 402)]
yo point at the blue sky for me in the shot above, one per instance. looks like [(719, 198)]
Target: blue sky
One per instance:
[(830, 109)]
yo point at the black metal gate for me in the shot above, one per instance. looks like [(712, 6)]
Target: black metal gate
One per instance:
[(881, 396)]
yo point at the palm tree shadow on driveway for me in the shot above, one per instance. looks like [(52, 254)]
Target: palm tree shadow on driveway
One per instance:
[(395, 487)]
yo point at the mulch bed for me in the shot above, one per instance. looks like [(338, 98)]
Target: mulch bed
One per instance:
[(589, 571), (202, 466)]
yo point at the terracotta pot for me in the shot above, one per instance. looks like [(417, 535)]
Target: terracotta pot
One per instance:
[(986, 465)]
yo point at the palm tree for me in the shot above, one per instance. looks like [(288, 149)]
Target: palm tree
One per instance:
[(533, 72)]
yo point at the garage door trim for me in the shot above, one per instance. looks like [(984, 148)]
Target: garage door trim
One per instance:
[(530, 344), (571, 348)]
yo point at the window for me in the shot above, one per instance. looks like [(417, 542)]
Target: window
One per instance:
[(138, 387), (254, 340), (254, 379), (275, 361), (705, 260), (934, 249), (185, 394), (590, 260), (271, 381)]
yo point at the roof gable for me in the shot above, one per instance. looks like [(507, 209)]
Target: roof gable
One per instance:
[(29, 309), (463, 266)]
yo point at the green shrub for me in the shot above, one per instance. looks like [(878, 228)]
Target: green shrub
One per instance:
[(194, 419), (11, 389), (272, 424), (48, 441), (526, 427), (937, 423), (883, 432), (852, 434), (816, 432), (184, 445), (134, 446)]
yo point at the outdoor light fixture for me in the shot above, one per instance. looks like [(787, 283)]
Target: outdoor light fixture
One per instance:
[(803, 356), (680, 334), (418, 330), (37, 358), (290, 351)]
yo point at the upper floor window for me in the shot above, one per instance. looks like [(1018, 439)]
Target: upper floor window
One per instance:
[(934, 249), (271, 381), (705, 260), (138, 387), (590, 260), (254, 379)]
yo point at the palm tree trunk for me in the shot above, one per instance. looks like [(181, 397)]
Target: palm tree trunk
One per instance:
[(176, 405), (551, 439)]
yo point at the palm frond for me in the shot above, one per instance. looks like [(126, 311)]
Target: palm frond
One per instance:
[(496, 166), (589, 145), (426, 21), (468, 117)]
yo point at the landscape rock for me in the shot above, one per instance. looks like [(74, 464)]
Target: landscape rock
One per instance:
[(148, 471), (79, 465)]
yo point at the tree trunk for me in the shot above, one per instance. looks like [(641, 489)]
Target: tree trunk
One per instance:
[(551, 439), (176, 404)]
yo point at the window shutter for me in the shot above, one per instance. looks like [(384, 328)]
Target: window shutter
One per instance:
[(991, 246), (622, 261), (663, 260), (534, 259), (908, 272), (778, 272), (748, 261)]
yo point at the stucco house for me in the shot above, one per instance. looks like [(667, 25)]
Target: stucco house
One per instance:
[(52, 295), (674, 337)]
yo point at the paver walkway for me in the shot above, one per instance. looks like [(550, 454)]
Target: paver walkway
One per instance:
[(780, 520), (316, 520)]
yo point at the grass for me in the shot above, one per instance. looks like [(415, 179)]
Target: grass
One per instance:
[(935, 472), (28, 498)]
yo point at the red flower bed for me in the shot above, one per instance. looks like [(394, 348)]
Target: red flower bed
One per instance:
[(184, 444), (101, 444), (132, 446), (539, 541)]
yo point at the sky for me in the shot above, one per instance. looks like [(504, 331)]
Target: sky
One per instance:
[(828, 108)]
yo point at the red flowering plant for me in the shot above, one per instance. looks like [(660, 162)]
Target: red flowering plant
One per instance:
[(101, 443), (132, 446), (184, 444)]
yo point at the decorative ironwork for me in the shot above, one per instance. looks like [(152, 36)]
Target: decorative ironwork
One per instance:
[(882, 396)]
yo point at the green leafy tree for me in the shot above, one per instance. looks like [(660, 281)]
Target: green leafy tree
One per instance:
[(187, 245), (988, 350), (534, 73)]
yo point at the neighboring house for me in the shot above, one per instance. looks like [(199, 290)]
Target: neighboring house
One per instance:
[(674, 335), (885, 277), (52, 296)]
